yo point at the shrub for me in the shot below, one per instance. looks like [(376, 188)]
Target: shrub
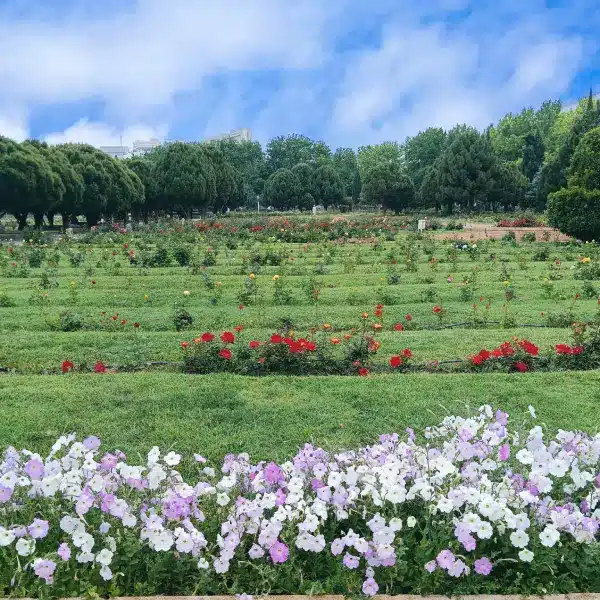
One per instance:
[(182, 319), (6, 301), (160, 258), (183, 255), (576, 211), (68, 321)]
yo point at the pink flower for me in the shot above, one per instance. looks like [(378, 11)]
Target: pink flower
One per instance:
[(279, 552), (64, 552), (445, 559), (5, 493), (504, 452), (350, 561), (431, 566), (370, 587), (34, 468), (483, 566)]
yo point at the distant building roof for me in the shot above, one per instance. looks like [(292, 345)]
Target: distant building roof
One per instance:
[(239, 135), (115, 149)]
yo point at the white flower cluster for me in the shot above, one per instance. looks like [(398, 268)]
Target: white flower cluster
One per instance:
[(474, 478)]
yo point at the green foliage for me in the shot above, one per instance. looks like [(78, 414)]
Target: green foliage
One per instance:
[(328, 189), (584, 170), (345, 165), (576, 212), (371, 156), (283, 190), (284, 152), (182, 319), (385, 183), (468, 171), (422, 151)]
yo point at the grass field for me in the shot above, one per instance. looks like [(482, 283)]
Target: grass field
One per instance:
[(89, 283), (271, 417)]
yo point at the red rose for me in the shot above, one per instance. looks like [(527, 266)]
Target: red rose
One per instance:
[(207, 337), (227, 337), (184, 345), (254, 344), (407, 353), (99, 367), (399, 327), (395, 362), (225, 354), (276, 339), (363, 372), (521, 366), (408, 317), (67, 366)]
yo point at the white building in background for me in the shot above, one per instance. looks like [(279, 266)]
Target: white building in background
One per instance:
[(141, 147), (237, 135), (144, 146), (115, 151)]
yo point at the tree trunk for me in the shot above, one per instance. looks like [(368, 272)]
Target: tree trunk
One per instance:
[(50, 215), (38, 219), (21, 220), (66, 220)]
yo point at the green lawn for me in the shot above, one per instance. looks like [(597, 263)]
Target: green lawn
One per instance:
[(271, 417)]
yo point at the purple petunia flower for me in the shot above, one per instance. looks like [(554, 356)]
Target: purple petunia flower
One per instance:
[(483, 566), (34, 468), (92, 442), (64, 552), (504, 452), (279, 552), (5, 493), (350, 561), (44, 569)]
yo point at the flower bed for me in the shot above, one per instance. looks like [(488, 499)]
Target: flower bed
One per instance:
[(520, 222), (472, 506)]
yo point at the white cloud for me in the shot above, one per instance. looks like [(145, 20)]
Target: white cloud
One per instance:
[(164, 46), (13, 126), (100, 134), (340, 76), (430, 75)]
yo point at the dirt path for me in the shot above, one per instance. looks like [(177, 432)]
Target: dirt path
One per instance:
[(481, 231)]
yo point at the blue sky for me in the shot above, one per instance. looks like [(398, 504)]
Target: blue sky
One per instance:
[(350, 72)]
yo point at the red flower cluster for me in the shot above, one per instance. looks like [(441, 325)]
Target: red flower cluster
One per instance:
[(529, 347), (565, 349), (522, 222)]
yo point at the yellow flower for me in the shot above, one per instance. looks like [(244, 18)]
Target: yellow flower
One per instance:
[(252, 276), (275, 277), (506, 282), (146, 298), (587, 259), (72, 284), (326, 326), (186, 292), (219, 284)]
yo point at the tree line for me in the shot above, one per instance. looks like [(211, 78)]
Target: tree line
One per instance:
[(523, 161)]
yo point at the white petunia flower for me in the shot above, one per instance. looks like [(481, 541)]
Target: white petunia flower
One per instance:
[(104, 557), (519, 539), (526, 555), (25, 547), (549, 536), (172, 459), (7, 537)]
